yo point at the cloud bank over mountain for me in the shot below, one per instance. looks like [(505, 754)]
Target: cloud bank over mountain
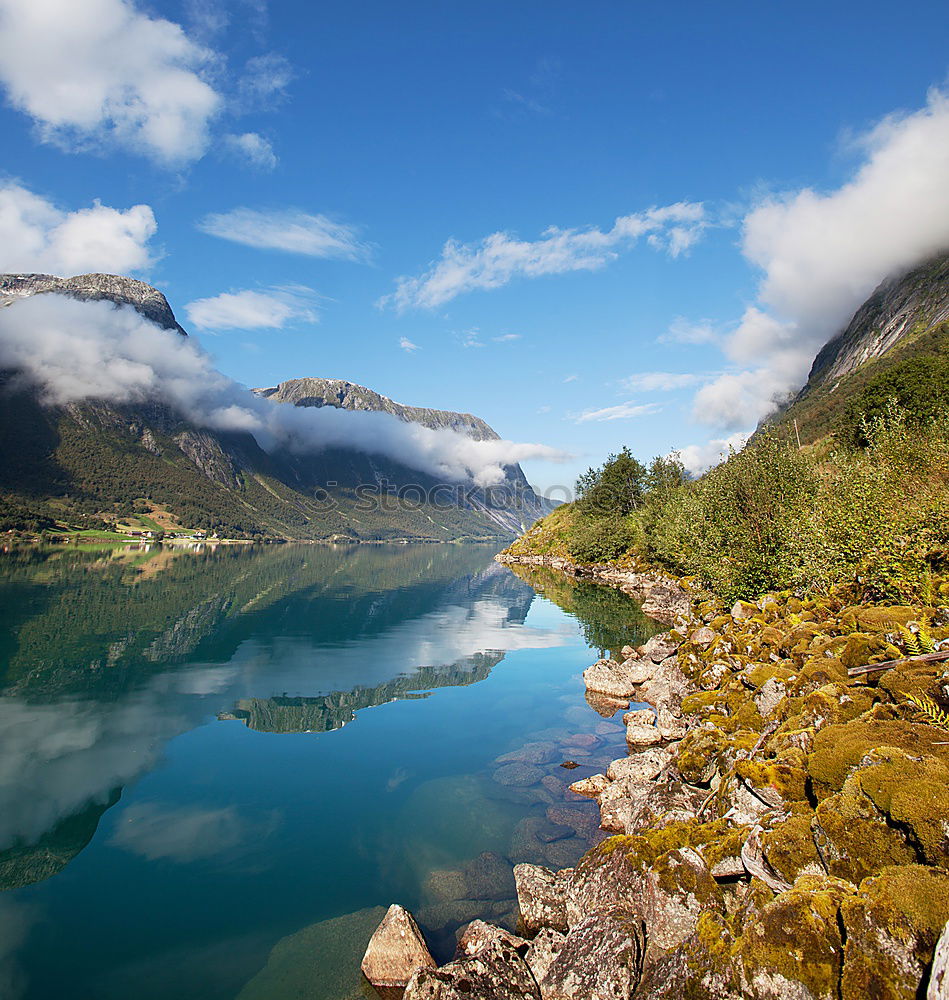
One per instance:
[(37, 235), (821, 254), (73, 350)]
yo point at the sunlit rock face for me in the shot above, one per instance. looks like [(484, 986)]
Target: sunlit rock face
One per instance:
[(93, 288)]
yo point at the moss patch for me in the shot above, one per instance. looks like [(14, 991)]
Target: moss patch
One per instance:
[(892, 925)]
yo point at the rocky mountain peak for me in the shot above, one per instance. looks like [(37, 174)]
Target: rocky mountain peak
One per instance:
[(903, 304), (349, 396), (92, 288)]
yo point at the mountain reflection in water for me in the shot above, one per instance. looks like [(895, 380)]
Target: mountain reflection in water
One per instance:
[(119, 779)]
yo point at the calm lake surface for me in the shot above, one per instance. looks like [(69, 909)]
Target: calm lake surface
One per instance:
[(217, 767)]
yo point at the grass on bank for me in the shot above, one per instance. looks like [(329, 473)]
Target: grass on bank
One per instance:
[(873, 520)]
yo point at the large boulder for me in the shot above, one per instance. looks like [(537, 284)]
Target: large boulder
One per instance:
[(667, 686), (939, 976), (792, 947), (601, 958), (396, 950), (621, 802), (659, 647), (478, 935), (892, 925), (641, 729), (607, 877), (615, 680), (644, 766), (541, 897), (678, 888), (545, 947)]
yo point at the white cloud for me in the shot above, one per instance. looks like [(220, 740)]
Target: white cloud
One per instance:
[(570, 378), (506, 337), (822, 254), (103, 70), (500, 257), (623, 411), (660, 381), (186, 833), (682, 331), (73, 350), (289, 230), (36, 235), (471, 338), (206, 18), (254, 148), (699, 458), (265, 80), (524, 102), (253, 310), (407, 345)]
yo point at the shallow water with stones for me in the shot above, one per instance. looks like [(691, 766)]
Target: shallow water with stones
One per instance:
[(218, 766)]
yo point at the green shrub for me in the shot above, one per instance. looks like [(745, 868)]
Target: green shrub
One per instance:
[(915, 386), (600, 539)]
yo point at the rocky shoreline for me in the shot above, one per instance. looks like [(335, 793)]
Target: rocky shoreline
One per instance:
[(780, 828), (661, 597)]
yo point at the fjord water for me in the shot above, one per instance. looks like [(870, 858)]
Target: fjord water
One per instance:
[(217, 766)]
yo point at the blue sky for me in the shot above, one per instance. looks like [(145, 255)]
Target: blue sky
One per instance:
[(726, 183)]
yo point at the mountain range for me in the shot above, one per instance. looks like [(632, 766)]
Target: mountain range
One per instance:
[(97, 463), (100, 463)]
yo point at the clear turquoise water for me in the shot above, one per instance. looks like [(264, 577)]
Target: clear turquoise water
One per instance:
[(216, 766)]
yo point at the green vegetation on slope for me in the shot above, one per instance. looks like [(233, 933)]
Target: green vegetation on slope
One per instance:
[(772, 517), (89, 465)]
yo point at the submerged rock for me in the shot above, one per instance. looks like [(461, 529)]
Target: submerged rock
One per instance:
[(539, 752), (319, 962), (488, 877), (396, 950), (518, 774)]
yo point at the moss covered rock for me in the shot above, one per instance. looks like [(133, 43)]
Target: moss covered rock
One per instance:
[(793, 947), (790, 849), (839, 749), (892, 925), (854, 838)]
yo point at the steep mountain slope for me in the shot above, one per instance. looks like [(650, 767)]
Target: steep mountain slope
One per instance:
[(906, 318), (90, 463)]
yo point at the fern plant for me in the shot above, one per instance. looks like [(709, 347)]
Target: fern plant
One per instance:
[(920, 641), (927, 707)]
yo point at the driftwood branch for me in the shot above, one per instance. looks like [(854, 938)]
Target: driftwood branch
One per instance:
[(871, 668)]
